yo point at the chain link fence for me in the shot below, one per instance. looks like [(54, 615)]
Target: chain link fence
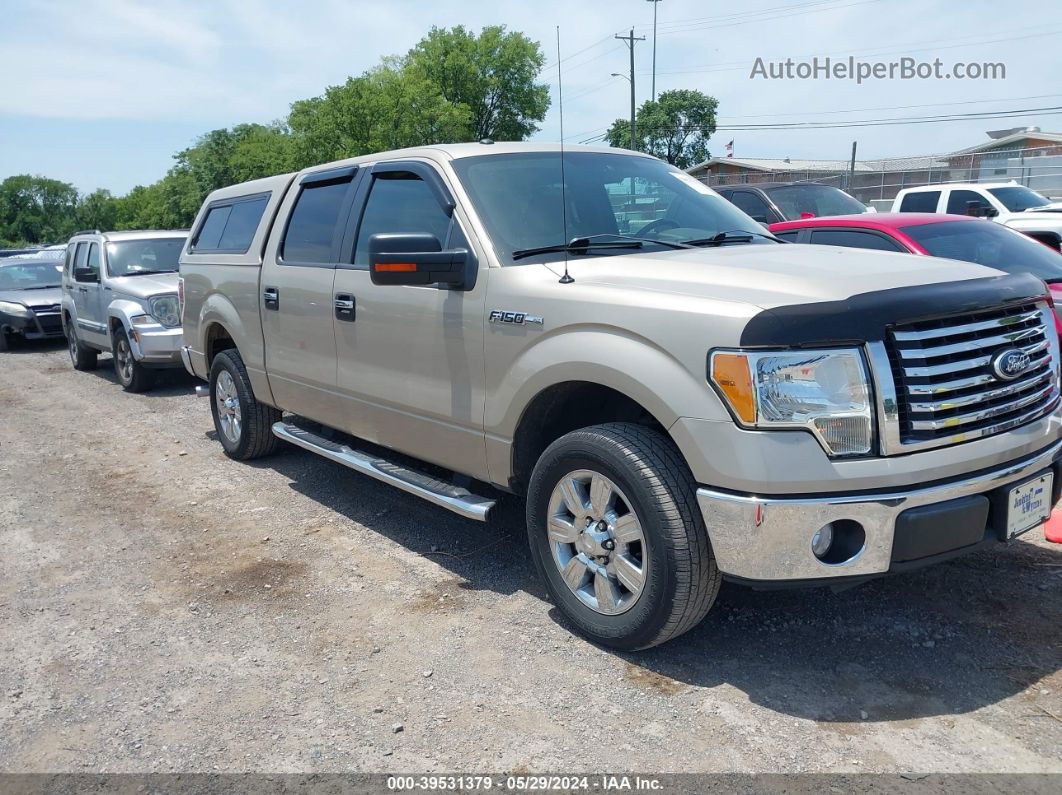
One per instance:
[(878, 181)]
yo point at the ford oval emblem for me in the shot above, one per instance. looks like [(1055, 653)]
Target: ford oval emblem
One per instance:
[(1010, 364)]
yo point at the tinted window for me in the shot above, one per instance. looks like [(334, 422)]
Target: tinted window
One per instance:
[(750, 203), (958, 199), (817, 200), (401, 203), (519, 197), (988, 244), (93, 260), (853, 239), (920, 202), (82, 252), (231, 227), (789, 237), (313, 222), (1018, 199), (210, 233)]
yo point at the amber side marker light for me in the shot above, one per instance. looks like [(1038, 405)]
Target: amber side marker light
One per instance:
[(398, 267), (730, 373)]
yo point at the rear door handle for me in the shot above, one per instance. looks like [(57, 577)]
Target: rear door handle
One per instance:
[(271, 297), (344, 304)]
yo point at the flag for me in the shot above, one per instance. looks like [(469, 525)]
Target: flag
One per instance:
[(730, 149)]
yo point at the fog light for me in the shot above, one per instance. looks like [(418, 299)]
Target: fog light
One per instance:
[(821, 541)]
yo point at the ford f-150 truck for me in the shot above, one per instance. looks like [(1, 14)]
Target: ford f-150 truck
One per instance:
[(680, 397)]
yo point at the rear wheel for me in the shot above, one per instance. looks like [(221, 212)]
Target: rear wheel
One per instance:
[(81, 357), (4, 341), (244, 426), (132, 375), (617, 536)]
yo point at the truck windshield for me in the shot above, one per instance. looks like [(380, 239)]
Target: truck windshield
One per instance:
[(518, 196), (988, 244), (1019, 198), (817, 200), (134, 257)]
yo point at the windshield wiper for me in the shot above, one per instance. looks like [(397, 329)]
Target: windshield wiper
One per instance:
[(731, 236), (41, 287), (145, 273), (580, 245)]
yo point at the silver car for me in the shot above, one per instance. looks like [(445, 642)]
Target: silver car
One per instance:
[(120, 297)]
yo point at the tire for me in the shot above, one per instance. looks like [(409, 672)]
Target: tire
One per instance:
[(251, 436), (647, 477), (132, 375), (82, 357), (5, 343)]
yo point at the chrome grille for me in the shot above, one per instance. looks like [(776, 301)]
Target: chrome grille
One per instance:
[(946, 388)]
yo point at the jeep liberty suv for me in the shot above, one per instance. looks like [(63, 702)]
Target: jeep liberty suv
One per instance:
[(120, 297), (680, 397)]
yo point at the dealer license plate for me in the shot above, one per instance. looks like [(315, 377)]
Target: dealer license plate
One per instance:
[(1029, 505)]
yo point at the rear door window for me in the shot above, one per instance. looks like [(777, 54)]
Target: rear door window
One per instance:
[(312, 228), (851, 238), (920, 202)]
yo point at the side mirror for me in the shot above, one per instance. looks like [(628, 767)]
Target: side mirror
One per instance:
[(981, 210), (86, 275), (414, 259)]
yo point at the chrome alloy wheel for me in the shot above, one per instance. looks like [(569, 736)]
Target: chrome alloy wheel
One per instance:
[(228, 403), (123, 358), (71, 344), (597, 542)]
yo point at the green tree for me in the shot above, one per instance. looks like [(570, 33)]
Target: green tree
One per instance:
[(98, 210), (493, 75), (35, 209), (675, 128)]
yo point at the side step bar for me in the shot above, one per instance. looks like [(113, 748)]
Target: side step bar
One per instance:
[(460, 501)]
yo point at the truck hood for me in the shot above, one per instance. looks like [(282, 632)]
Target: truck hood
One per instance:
[(769, 276), (34, 299), (147, 285), (1052, 218), (1053, 207)]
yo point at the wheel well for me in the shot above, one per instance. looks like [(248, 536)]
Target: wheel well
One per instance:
[(218, 339), (113, 324), (563, 408)]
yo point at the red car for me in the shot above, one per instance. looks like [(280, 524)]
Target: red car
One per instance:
[(952, 236)]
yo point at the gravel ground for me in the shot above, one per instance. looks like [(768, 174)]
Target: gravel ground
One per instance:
[(163, 608)]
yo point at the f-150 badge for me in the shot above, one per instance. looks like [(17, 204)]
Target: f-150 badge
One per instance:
[(514, 318)]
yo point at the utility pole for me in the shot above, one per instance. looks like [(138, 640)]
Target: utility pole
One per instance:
[(630, 41), (851, 168), (654, 2)]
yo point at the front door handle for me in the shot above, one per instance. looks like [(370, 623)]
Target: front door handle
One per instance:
[(344, 307), (82, 289), (271, 297)]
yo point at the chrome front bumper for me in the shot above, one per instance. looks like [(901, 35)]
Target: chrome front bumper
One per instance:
[(769, 539), (156, 344)]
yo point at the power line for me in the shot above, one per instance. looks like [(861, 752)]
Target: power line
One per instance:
[(793, 12)]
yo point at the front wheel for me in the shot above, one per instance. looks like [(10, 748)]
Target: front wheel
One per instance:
[(132, 375), (617, 536), (244, 426)]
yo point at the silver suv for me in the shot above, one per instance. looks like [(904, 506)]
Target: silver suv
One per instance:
[(120, 297), (681, 397)]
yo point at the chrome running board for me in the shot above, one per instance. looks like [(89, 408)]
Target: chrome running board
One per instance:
[(460, 501)]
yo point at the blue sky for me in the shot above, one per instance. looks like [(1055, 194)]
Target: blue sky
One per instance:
[(106, 91)]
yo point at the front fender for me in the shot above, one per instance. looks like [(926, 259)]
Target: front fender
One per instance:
[(122, 311)]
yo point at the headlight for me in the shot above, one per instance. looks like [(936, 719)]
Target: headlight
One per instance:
[(825, 391), (15, 310), (167, 310)]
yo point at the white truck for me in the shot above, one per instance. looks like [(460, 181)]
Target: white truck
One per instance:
[(1006, 203)]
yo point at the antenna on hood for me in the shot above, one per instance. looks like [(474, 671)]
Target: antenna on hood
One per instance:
[(566, 278)]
